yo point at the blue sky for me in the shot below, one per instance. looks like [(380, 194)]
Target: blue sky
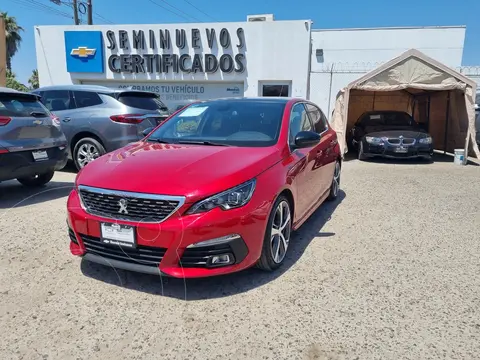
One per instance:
[(325, 14)]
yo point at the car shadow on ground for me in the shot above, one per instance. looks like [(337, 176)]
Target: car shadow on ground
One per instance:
[(13, 194), (438, 157), (219, 286)]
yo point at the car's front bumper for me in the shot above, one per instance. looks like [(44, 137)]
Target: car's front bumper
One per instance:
[(389, 151), (163, 248), (18, 164)]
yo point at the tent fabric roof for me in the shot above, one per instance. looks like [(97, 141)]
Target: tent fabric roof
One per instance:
[(412, 53)]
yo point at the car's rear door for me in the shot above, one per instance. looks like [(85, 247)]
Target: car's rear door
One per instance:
[(26, 125), (61, 103)]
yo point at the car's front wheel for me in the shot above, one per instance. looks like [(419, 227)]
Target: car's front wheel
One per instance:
[(277, 235), (37, 179), (86, 150), (360, 153)]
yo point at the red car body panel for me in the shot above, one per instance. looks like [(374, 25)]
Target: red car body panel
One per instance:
[(197, 172)]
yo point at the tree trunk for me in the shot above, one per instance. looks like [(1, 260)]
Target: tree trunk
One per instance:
[(9, 63)]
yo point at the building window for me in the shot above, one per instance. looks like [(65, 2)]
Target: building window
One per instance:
[(277, 89)]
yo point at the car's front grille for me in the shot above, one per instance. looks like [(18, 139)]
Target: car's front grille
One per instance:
[(393, 141), (129, 206), (142, 255), (401, 141), (197, 257)]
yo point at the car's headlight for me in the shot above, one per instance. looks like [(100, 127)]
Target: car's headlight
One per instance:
[(226, 200), (374, 140), (426, 140)]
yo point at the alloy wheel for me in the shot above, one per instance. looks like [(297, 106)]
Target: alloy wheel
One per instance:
[(281, 229), (87, 152)]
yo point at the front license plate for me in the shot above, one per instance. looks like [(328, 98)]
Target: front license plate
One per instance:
[(401, 150), (40, 155), (116, 234)]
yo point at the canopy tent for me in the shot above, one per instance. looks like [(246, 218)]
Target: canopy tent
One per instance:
[(439, 98)]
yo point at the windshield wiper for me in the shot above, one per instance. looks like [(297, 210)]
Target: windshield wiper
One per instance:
[(38, 114), (209, 143), (159, 141)]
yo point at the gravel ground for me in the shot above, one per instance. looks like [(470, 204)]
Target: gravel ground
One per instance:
[(390, 271)]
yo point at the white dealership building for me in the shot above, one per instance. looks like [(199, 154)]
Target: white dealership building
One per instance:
[(258, 57)]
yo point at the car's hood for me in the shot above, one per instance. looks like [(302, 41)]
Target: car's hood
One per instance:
[(195, 171), (416, 134)]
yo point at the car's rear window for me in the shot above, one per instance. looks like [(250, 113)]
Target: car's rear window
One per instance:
[(20, 106), (141, 101)]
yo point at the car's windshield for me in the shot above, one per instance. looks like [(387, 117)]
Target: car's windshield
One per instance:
[(224, 122), (387, 119)]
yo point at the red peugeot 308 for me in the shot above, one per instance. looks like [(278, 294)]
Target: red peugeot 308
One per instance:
[(215, 189)]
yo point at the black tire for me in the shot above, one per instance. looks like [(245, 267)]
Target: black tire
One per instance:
[(335, 185), (96, 147), (267, 261), (360, 151), (36, 180)]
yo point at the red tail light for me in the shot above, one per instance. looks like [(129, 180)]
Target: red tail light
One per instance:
[(55, 119), (4, 120), (127, 118), (3, 151)]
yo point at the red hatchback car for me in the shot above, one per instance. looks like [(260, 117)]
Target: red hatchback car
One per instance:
[(215, 189)]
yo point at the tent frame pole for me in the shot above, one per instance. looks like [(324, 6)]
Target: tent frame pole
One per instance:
[(447, 115), (428, 113)]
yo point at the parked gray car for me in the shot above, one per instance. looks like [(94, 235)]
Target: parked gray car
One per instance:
[(32, 145), (97, 119)]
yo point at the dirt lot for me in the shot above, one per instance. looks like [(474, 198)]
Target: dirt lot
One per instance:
[(390, 271)]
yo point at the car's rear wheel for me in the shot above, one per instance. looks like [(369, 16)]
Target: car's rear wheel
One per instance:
[(86, 150), (37, 179), (277, 235), (335, 186)]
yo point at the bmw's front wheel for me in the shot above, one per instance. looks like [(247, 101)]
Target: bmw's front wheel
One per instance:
[(277, 235)]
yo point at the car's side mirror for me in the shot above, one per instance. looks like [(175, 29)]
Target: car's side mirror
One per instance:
[(164, 108), (147, 131), (305, 139)]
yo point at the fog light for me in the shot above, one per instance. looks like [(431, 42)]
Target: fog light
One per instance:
[(220, 260)]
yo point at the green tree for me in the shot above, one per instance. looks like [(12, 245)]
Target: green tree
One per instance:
[(33, 80), (13, 83), (13, 37)]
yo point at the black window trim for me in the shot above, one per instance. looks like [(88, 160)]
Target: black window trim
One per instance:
[(72, 96), (290, 117), (327, 125)]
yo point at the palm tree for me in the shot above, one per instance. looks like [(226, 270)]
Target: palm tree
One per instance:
[(13, 37), (33, 80)]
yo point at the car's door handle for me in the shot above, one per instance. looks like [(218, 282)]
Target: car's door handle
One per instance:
[(67, 119)]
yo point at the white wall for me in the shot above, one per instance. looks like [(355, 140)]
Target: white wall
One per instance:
[(350, 53), (275, 50)]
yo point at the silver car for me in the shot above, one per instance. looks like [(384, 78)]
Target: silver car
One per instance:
[(32, 145), (97, 119)]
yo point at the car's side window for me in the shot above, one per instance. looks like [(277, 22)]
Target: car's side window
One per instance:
[(57, 100), (86, 98), (299, 121), (318, 118)]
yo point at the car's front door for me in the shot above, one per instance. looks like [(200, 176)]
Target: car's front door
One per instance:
[(305, 160), (325, 161)]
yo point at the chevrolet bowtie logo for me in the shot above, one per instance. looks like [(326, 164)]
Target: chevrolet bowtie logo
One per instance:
[(83, 52)]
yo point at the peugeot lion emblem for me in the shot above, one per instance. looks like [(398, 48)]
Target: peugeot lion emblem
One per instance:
[(123, 206)]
